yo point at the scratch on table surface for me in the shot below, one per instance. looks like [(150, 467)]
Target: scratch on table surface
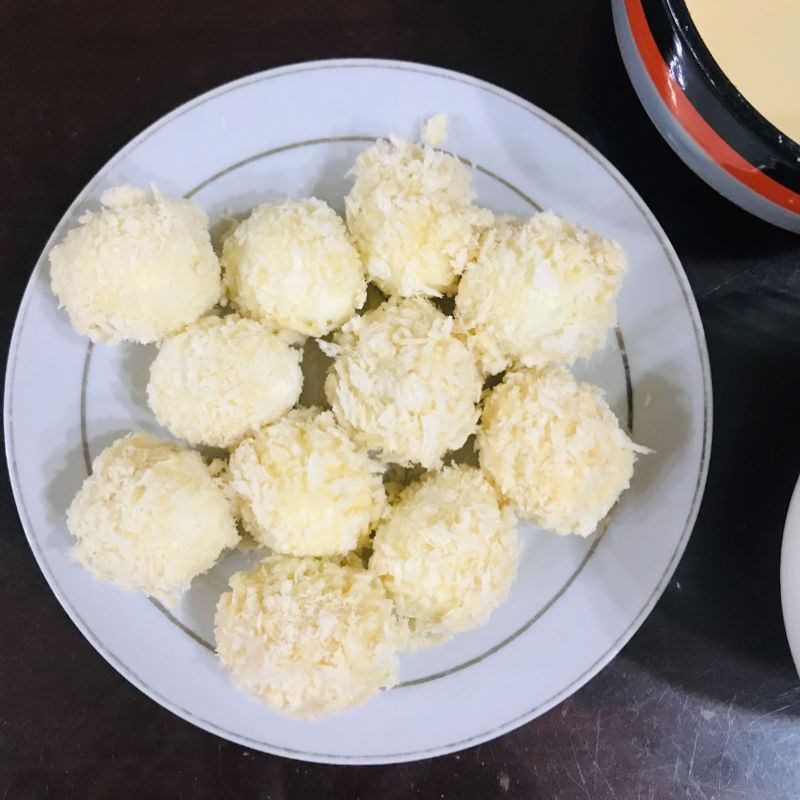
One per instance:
[(703, 672), (636, 708), (639, 771), (504, 781), (729, 720), (608, 784), (694, 750), (752, 766), (663, 694), (598, 769), (651, 793), (580, 771), (597, 738), (789, 694), (722, 284), (765, 715), (698, 787)]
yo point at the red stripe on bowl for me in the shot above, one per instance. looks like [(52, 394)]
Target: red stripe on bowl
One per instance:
[(694, 124)]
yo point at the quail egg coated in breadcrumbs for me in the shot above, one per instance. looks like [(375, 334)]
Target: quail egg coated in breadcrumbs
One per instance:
[(308, 636), (554, 449), (447, 551), (411, 214), (292, 266), (305, 488), (403, 384), (139, 269), (541, 291), (150, 517), (221, 379)]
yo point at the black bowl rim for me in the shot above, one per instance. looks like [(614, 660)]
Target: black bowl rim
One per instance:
[(716, 98)]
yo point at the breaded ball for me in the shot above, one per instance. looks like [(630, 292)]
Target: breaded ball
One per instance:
[(403, 384), (411, 215), (150, 517), (221, 379), (305, 488), (138, 270), (292, 265), (554, 449), (306, 636), (540, 292), (448, 551)]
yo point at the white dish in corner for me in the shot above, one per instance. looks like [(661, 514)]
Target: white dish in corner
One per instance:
[(790, 575), (295, 131)]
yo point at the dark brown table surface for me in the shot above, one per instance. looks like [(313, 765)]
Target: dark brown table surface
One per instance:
[(704, 702)]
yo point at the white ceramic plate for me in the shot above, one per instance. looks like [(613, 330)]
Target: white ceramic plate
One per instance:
[(295, 131), (790, 576)]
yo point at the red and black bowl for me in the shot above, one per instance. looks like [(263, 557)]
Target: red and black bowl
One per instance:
[(703, 116)]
